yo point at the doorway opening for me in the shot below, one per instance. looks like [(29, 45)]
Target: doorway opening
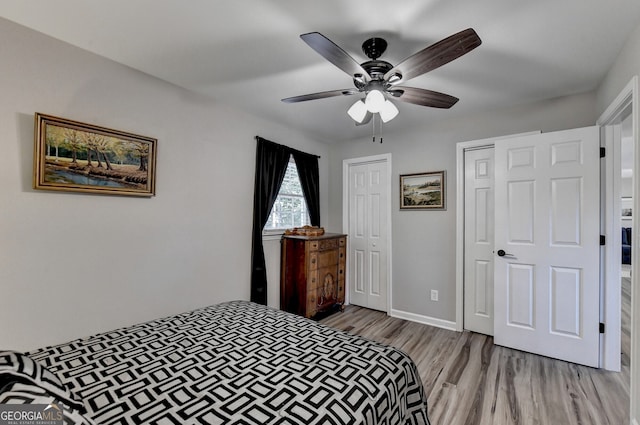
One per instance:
[(627, 227)]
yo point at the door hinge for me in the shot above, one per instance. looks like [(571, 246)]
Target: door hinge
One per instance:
[(603, 152), (601, 327), (602, 239)]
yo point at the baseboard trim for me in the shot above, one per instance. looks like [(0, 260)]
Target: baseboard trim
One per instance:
[(425, 320)]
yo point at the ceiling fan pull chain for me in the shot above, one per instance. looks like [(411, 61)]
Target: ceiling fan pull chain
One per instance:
[(381, 122), (373, 126)]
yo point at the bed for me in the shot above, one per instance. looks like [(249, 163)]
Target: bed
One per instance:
[(231, 363)]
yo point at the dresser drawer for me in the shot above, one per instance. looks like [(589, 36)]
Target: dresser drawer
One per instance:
[(328, 258), (328, 244)]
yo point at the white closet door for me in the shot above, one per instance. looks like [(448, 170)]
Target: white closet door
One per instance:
[(367, 244)]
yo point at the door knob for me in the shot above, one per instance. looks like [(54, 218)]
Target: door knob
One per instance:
[(501, 253)]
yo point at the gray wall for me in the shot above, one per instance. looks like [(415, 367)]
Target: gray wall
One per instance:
[(73, 264), (625, 67), (424, 242)]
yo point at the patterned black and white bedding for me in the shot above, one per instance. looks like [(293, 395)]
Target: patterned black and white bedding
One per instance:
[(238, 363)]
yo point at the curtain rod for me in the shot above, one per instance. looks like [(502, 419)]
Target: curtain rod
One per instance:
[(296, 150)]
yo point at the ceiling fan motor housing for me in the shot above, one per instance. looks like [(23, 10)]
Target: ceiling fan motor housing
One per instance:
[(376, 70), (373, 48)]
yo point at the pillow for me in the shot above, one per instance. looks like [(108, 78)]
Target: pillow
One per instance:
[(18, 368), (29, 393)]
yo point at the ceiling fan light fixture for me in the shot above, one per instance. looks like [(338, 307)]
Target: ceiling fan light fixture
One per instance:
[(375, 101), (358, 111), (388, 112)]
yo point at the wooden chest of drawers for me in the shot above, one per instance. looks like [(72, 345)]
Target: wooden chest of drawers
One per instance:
[(312, 276)]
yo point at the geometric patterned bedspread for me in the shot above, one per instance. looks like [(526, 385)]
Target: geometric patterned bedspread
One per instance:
[(238, 363)]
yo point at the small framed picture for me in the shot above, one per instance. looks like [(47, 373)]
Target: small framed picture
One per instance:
[(423, 191), (78, 157)]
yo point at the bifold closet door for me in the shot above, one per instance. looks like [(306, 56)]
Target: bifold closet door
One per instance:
[(367, 244)]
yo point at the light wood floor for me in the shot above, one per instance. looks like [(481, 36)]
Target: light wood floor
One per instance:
[(470, 381)]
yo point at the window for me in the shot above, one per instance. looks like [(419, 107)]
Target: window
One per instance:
[(290, 208)]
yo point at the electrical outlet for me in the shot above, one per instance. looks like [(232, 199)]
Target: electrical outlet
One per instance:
[(434, 295)]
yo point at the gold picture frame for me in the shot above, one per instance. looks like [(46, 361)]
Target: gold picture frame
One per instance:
[(423, 191), (78, 157)]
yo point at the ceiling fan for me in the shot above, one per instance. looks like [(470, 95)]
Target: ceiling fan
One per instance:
[(379, 79)]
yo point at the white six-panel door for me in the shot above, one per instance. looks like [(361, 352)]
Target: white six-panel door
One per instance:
[(367, 244), (478, 240), (546, 285)]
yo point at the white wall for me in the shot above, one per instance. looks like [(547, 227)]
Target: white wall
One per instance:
[(73, 264), (625, 67), (424, 241)]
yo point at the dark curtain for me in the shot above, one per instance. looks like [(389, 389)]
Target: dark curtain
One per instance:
[(307, 165), (271, 164)]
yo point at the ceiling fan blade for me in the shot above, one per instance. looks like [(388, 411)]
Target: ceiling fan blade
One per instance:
[(334, 54), (320, 95), (424, 97), (434, 56), (366, 120)]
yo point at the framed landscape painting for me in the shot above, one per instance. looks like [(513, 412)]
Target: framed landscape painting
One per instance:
[(422, 191), (78, 157)]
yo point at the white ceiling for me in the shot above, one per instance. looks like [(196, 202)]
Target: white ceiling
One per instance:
[(247, 53)]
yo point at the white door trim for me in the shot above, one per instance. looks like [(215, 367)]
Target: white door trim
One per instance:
[(345, 215), (460, 148), (611, 256), (628, 96)]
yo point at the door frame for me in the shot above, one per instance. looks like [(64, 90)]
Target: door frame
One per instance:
[(610, 314), (346, 164), (460, 211)]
